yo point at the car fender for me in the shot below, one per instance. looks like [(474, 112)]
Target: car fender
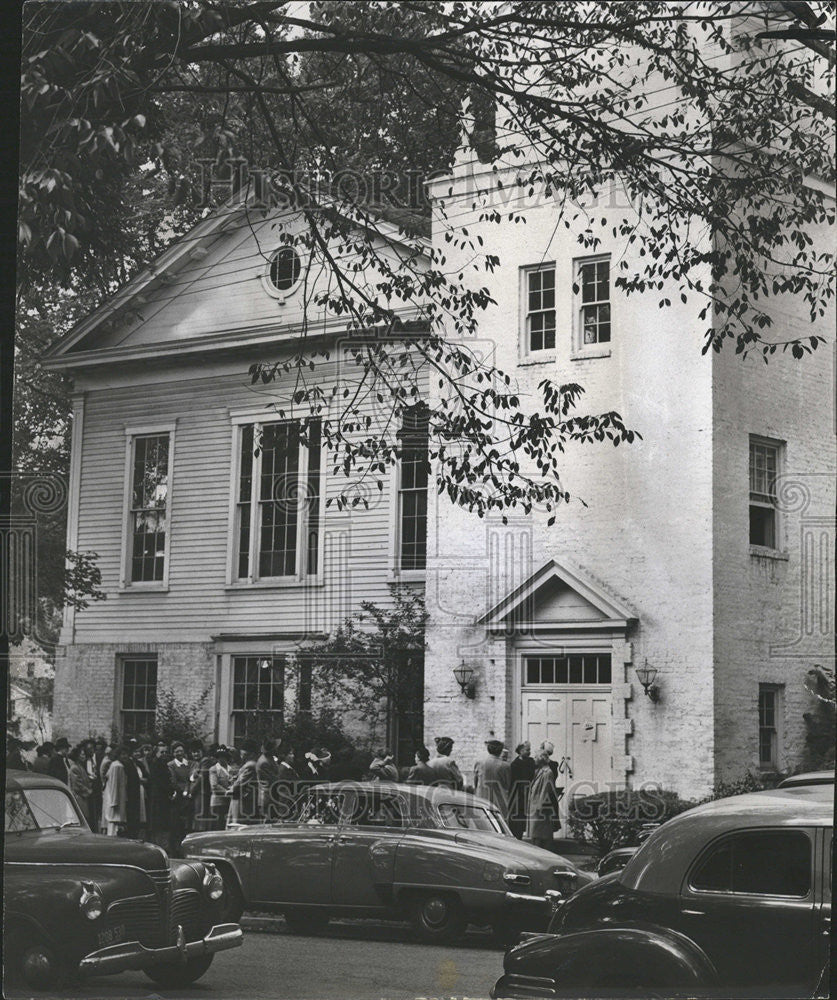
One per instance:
[(635, 955), (226, 866)]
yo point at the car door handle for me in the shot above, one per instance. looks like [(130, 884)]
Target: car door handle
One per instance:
[(694, 913)]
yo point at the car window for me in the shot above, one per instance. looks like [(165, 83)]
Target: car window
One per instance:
[(457, 815), (18, 814), (374, 809), (763, 863), (52, 807), (321, 808)]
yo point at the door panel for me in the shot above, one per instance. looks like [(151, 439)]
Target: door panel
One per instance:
[(580, 725), (364, 859), (293, 865), (755, 937)]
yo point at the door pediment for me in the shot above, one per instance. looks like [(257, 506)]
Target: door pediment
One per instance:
[(557, 597)]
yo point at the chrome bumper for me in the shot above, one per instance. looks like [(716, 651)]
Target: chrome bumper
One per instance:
[(133, 955)]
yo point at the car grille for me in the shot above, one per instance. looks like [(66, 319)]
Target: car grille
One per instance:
[(189, 911), (141, 918)]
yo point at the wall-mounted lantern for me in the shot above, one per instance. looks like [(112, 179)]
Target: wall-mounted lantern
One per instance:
[(465, 679), (646, 676)]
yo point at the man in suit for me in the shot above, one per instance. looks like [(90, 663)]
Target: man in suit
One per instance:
[(492, 776), (58, 767), (267, 773), (286, 784), (522, 774)]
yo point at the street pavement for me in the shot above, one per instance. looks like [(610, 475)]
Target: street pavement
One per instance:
[(351, 960)]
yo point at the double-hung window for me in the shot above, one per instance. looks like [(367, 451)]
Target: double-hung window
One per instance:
[(258, 696), (539, 291), (278, 501), (769, 726), (764, 468), (592, 281), (412, 488), (138, 698), (148, 489)]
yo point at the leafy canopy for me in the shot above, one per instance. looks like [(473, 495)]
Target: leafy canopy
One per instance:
[(712, 129)]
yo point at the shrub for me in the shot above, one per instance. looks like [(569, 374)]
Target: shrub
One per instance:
[(179, 720), (304, 731), (616, 818)]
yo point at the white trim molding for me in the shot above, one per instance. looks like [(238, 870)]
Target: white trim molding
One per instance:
[(132, 432)]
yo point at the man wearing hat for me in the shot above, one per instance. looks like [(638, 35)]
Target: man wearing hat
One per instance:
[(446, 771), (492, 776), (57, 766)]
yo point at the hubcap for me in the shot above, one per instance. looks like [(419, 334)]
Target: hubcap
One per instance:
[(435, 911), (37, 967)]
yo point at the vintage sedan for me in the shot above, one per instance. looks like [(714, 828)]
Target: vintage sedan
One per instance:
[(78, 903), (443, 858), (732, 898)]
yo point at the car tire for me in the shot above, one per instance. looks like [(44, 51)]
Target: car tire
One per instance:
[(306, 921), (437, 916), (232, 902), (177, 976), (37, 964)]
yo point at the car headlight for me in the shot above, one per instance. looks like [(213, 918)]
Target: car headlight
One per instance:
[(213, 884), (91, 903)]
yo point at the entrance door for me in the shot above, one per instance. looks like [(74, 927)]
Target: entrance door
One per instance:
[(567, 700)]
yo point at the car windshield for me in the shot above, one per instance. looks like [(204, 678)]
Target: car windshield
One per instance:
[(319, 809), (40, 809), (467, 816)]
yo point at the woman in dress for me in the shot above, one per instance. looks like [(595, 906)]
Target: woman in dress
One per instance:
[(543, 818), (220, 781), (115, 798)]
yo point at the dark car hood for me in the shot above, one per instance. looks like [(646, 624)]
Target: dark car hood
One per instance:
[(84, 848), (514, 850)]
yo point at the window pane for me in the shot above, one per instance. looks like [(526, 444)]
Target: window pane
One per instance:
[(772, 864), (313, 497), (715, 873), (414, 439), (149, 497), (763, 526)]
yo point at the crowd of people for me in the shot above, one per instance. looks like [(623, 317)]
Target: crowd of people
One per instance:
[(162, 791)]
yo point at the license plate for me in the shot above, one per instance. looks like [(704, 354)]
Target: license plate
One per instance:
[(112, 935)]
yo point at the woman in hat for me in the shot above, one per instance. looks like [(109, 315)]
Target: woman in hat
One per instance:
[(244, 791), (543, 818), (383, 766)]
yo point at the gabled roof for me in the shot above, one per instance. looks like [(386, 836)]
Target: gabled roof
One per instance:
[(612, 610), (194, 246)]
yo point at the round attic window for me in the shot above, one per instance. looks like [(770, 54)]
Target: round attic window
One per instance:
[(284, 270)]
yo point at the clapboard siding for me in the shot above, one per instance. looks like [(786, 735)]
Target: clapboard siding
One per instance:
[(198, 602)]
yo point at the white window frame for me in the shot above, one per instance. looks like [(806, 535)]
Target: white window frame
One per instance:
[(599, 349), (397, 574), (778, 691), (526, 351), (778, 448), (131, 435), (239, 420), (122, 659), (281, 294)]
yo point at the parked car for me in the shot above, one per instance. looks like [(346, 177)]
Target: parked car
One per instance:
[(444, 858), (616, 859), (80, 903), (732, 898), (807, 778)]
